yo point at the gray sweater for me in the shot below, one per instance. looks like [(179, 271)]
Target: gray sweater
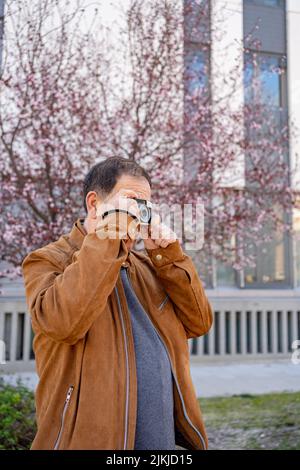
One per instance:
[(155, 406)]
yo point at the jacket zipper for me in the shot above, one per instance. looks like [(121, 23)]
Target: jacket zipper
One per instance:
[(174, 375), (67, 401), (127, 369), (161, 306)]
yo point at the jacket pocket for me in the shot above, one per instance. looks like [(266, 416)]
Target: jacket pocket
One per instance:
[(63, 414)]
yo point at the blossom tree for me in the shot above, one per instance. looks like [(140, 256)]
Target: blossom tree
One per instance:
[(72, 95)]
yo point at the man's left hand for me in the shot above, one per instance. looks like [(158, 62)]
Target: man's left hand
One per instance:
[(157, 235)]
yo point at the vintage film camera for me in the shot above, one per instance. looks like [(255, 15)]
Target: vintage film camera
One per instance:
[(145, 208)]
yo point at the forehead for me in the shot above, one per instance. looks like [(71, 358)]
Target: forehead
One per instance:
[(139, 184)]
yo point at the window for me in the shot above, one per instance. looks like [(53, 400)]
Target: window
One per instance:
[(266, 88), (297, 245), (196, 45), (226, 275), (197, 21), (196, 71), (1, 27), (266, 3), (196, 82), (271, 257), (265, 79), (202, 262), (272, 270)]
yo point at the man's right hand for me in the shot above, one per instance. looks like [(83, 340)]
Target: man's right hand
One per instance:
[(118, 225), (123, 199)]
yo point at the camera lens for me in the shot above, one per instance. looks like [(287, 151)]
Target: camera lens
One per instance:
[(144, 214), (144, 211)]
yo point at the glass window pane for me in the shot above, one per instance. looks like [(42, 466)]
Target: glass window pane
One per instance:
[(271, 264), (270, 258), (202, 262), (197, 20), (196, 75), (270, 81), (226, 276), (267, 3), (297, 244), (263, 75)]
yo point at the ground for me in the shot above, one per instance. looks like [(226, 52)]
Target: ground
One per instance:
[(268, 421)]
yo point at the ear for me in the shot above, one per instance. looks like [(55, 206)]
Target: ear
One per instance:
[(91, 201)]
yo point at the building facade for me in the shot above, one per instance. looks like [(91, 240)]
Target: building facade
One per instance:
[(257, 310)]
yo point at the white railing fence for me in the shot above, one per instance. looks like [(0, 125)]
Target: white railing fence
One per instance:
[(242, 329), (16, 335), (250, 325)]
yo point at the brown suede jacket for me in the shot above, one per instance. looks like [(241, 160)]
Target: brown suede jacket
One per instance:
[(83, 344)]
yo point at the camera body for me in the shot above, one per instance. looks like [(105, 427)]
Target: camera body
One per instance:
[(145, 209)]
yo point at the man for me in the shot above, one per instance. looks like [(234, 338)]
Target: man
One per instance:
[(111, 326)]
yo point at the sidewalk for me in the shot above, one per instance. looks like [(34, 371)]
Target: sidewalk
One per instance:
[(223, 378), (255, 377)]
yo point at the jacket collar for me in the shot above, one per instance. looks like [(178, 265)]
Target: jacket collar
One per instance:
[(77, 234)]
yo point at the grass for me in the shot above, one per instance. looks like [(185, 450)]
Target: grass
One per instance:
[(269, 421)]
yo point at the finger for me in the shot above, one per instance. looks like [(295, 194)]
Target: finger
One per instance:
[(155, 218), (167, 233), (165, 236), (164, 243), (144, 231), (155, 232), (154, 228)]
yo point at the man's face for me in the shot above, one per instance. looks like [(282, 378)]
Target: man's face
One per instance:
[(138, 184)]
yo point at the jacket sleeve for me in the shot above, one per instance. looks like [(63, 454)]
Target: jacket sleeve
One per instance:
[(64, 303), (180, 279)]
